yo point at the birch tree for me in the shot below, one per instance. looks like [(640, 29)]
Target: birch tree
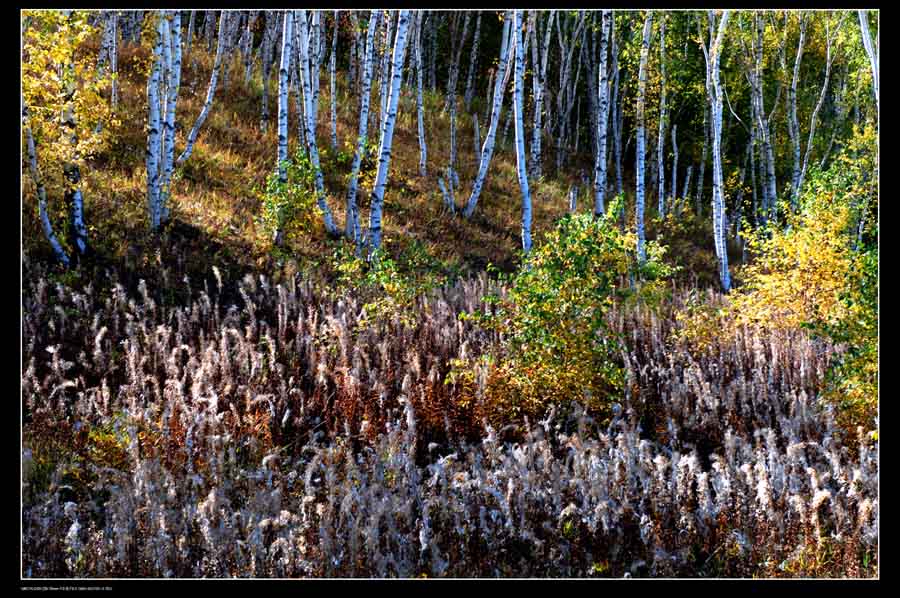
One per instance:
[(487, 149), (603, 102), (38, 180), (351, 228), (714, 90), (331, 68), (663, 117), (420, 113), (871, 53), (539, 78), (311, 107), (210, 90), (387, 133), (520, 131), (287, 36), (267, 55), (473, 61), (639, 159), (154, 129)]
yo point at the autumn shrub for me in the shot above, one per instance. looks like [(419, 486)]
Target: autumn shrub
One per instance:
[(820, 272), (557, 344), (290, 205)]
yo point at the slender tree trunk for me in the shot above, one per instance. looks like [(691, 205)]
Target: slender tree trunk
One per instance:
[(674, 161), (687, 183), (270, 40), (473, 61), (663, 118), (351, 228), (539, 79), (58, 250), (420, 113), (793, 123), (603, 93), (311, 108), (701, 178), (520, 131), (173, 68), (639, 170), (154, 126), (815, 114), (331, 67), (287, 36), (387, 133), (210, 91), (871, 53), (715, 91), (488, 149)]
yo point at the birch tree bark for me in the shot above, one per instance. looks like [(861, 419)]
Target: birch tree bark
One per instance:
[(420, 113), (190, 33), (715, 92), (331, 68), (172, 52), (520, 131), (267, 51), (287, 36), (352, 224), (674, 162), (387, 134), (385, 58), (311, 106), (487, 149), (46, 225), (539, 79), (639, 169), (793, 123), (473, 61), (154, 126), (871, 52), (210, 91), (603, 93), (663, 118), (813, 119)]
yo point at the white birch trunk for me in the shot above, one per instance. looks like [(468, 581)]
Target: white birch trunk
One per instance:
[(663, 116), (154, 126), (473, 61), (603, 110), (210, 91), (420, 113), (687, 182), (815, 115), (639, 170), (351, 228), (387, 133), (518, 102), (674, 161), (487, 149), (871, 53), (719, 219), (283, 91), (267, 51), (47, 226), (172, 88), (310, 121), (793, 123), (539, 82), (385, 57), (331, 67)]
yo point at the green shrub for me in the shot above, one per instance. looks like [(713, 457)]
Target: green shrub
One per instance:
[(557, 344), (290, 206)]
